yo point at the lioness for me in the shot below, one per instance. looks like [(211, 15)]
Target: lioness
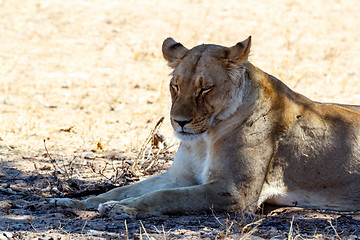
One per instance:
[(246, 139)]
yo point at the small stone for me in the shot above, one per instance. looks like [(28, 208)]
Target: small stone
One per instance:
[(44, 237), (6, 235), (93, 233), (89, 156)]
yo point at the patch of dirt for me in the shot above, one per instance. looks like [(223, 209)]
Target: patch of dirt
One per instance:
[(25, 211)]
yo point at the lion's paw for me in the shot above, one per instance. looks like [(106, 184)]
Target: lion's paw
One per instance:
[(114, 209), (67, 202)]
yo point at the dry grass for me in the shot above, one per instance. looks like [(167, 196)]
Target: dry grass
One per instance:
[(97, 67)]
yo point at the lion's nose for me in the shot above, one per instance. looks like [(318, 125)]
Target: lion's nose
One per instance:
[(182, 122)]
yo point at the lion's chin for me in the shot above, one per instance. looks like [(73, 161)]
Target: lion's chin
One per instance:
[(185, 136)]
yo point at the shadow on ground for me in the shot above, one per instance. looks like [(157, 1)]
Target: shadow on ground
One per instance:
[(25, 211)]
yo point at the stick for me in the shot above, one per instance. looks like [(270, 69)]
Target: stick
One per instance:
[(29, 220), (146, 142), (337, 234)]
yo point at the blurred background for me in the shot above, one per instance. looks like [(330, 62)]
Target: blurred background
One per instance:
[(79, 73)]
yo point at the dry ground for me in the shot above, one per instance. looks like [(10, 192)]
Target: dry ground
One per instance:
[(88, 78)]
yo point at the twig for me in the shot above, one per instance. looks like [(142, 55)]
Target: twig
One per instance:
[(228, 228), (47, 152), (29, 220), (257, 223), (6, 144), (69, 129), (159, 232), (291, 228), (61, 228), (153, 160), (216, 218), (147, 235), (164, 231), (114, 179), (248, 234), (101, 171), (55, 164), (126, 230), (140, 233), (146, 142), (337, 234), (82, 230)]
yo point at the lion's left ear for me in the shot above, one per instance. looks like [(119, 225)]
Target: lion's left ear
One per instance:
[(239, 52), (173, 52)]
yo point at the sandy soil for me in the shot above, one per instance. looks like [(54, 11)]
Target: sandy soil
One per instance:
[(83, 83)]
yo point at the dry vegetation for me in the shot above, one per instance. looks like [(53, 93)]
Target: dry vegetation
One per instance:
[(83, 83)]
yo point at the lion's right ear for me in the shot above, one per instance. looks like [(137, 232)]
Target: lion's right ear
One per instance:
[(239, 52), (173, 51)]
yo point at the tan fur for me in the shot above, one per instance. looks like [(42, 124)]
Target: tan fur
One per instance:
[(246, 138)]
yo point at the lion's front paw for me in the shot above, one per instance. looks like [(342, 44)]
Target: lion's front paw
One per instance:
[(114, 209), (68, 203)]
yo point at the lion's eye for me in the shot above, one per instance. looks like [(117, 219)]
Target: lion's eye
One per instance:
[(175, 87), (205, 90)]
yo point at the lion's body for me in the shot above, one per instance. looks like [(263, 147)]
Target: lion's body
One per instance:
[(246, 139), (316, 163)]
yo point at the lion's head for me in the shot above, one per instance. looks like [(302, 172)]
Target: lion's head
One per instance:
[(206, 85)]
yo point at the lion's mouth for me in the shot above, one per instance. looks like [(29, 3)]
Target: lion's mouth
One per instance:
[(187, 136), (186, 133)]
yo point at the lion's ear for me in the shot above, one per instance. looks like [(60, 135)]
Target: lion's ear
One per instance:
[(173, 51), (240, 52)]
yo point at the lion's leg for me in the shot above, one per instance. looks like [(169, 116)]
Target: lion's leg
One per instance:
[(181, 174), (184, 199), (162, 181)]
